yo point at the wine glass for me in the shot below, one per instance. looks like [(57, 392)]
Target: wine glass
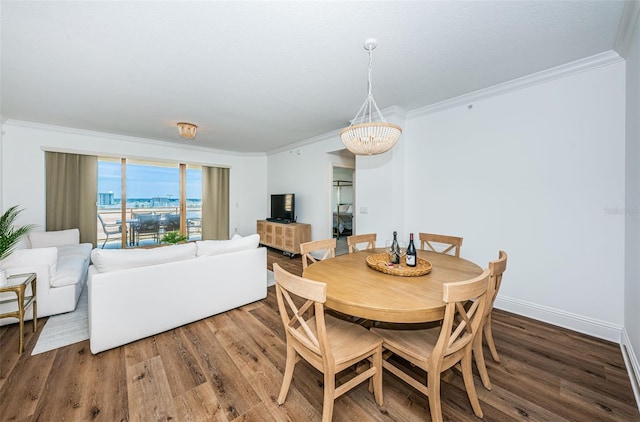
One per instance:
[(402, 247), (388, 248)]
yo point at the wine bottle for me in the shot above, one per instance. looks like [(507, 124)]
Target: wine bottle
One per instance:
[(395, 249), (411, 252)]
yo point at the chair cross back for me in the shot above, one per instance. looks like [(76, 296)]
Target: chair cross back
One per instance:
[(307, 335), (460, 324), (427, 240), (496, 268), (300, 315), (434, 351), (327, 247), (355, 240)]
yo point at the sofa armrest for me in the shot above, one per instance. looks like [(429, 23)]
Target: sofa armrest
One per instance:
[(27, 258), (43, 279)]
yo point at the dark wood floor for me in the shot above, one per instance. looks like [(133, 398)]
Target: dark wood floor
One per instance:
[(229, 368)]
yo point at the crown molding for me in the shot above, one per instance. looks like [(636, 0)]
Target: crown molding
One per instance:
[(393, 113), (558, 72), (628, 24), (113, 136), (319, 138)]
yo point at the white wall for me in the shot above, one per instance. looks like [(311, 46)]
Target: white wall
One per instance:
[(537, 172), (631, 334), (307, 171), (24, 178), (380, 187), (2, 120)]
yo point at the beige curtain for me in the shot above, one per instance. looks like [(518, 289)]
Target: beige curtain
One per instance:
[(215, 203), (71, 194)]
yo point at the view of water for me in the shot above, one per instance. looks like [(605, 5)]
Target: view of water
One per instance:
[(148, 186)]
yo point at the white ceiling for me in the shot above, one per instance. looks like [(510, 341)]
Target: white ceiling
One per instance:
[(257, 76)]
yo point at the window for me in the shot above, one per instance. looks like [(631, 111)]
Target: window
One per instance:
[(158, 198)]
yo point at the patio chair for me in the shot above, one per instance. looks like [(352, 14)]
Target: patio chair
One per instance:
[(110, 229), (171, 222), (147, 225)]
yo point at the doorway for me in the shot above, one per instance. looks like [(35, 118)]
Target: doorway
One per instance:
[(342, 206)]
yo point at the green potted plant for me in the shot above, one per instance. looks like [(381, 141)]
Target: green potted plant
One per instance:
[(9, 236), (173, 238)]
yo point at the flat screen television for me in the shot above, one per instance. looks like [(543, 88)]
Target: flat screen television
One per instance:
[(283, 207)]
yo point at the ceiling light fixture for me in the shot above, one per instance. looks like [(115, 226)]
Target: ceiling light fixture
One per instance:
[(366, 136), (187, 130)]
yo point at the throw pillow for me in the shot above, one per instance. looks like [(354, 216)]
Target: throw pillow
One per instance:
[(219, 247), (54, 238), (105, 260)]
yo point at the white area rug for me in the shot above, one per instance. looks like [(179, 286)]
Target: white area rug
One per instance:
[(65, 329), (73, 327)]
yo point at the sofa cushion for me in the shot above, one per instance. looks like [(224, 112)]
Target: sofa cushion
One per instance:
[(82, 250), (70, 271), (54, 238), (106, 260), (219, 247)]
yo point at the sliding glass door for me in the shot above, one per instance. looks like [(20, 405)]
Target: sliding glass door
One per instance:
[(110, 200), (158, 198), (193, 193)]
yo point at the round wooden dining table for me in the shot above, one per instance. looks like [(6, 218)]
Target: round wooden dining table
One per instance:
[(354, 288)]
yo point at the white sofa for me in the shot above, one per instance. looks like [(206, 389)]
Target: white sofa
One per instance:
[(60, 262), (137, 293)]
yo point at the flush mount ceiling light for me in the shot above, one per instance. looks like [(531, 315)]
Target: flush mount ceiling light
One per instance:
[(367, 136), (187, 130)]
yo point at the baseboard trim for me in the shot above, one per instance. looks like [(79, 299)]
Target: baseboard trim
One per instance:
[(575, 322), (631, 362)]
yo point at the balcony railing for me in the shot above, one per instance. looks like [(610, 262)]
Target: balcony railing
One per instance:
[(145, 226)]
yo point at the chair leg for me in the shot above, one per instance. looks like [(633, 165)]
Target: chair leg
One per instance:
[(288, 373), (478, 355), (435, 405), (377, 378), (329, 396), (488, 334), (105, 242), (467, 375)]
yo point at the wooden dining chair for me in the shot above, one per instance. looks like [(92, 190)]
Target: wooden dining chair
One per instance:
[(451, 243), (329, 344), (321, 249), (496, 269), (437, 349), (355, 240)]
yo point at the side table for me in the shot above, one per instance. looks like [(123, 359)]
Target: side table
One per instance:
[(17, 284)]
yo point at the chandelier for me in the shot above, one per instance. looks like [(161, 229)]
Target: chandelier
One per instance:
[(367, 136), (187, 130)]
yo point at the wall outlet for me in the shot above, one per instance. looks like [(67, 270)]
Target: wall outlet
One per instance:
[(364, 210)]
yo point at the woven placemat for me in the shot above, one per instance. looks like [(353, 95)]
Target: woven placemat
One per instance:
[(380, 262)]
